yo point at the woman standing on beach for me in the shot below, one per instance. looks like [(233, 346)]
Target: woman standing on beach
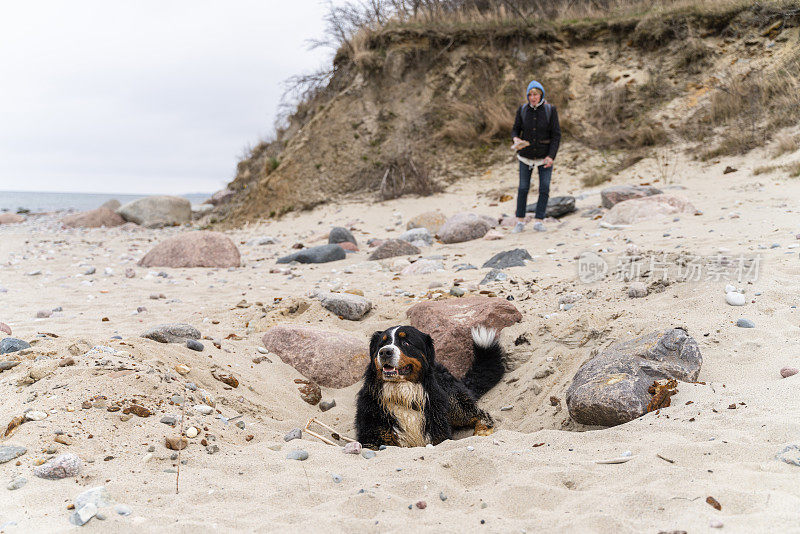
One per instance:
[(537, 135)]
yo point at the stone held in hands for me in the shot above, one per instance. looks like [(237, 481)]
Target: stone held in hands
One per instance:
[(612, 388), (194, 249)]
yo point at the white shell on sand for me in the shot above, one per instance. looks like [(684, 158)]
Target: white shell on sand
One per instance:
[(735, 299)]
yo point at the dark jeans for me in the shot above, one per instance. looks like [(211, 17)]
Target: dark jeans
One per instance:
[(525, 184)]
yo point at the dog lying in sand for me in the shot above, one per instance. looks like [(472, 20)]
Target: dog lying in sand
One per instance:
[(409, 399)]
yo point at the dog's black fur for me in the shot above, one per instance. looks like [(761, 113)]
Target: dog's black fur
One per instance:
[(447, 402)]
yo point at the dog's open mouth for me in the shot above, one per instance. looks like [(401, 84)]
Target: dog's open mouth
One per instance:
[(394, 372)]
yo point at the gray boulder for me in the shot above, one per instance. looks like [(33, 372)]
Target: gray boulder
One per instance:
[(112, 204), (157, 211), (172, 333), (556, 206), (464, 227), (350, 307), (319, 254), (611, 388), (12, 344), (508, 258), (393, 247), (619, 193), (339, 234)]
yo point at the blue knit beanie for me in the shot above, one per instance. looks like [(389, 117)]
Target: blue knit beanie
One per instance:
[(534, 85)]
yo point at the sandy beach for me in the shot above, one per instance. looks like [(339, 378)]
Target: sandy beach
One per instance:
[(537, 472)]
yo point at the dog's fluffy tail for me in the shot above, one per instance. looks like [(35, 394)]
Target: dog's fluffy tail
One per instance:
[(487, 367)]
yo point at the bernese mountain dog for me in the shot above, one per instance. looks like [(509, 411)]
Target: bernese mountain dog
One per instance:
[(409, 399)]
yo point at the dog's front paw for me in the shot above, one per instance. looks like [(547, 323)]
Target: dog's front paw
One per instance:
[(483, 430)]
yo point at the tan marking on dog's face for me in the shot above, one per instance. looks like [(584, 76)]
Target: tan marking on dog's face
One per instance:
[(415, 373)]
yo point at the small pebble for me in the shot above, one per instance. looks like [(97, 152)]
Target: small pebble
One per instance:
[(297, 454), (17, 483), (442, 496), (470, 448), (352, 447), (194, 345), (327, 405), (295, 433), (786, 372), (192, 432), (336, 478), (123, 509), (421, 505), (745, 323), (368, 453)]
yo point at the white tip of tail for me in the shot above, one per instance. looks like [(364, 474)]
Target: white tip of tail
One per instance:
[(484, 337)]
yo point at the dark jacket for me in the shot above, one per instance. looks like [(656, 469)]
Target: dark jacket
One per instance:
[(533, 127)]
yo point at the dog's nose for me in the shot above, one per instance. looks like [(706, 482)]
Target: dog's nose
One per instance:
[(385, 353)]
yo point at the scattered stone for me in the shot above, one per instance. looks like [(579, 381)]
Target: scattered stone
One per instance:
[(417, 234), (297, 454), (171, 420), (619, 193), (463, 227), (225, 378), (368, 453), (332, 359), (97, 496), (295, 433), (729, 170), (10, 218), (172, 333), (345, 305), (319, 254), (327, 405), (612, 388), (97, 218), (12, 344), (5, 366), (176, 443), (735, 299), (183, 369), (11, 452), (212, 449), (556, 206), (449, 322), (647, 208), (16, 483), (352, 447), (309, 391), (203, 409), (192, 432), (123, 509), (194, 249), (432, 220), (786, 372), (336, 478), (393, 247), (790, 454), (5, 328), (745, 323), (35, 415), (495, 275), (637, 290), (423, 266), (64, 466), (442, 496), (267, 240), (157, 211), (137, 410), (130, 272), (339, 234), (509, 258), (84, 515), (457, 291)]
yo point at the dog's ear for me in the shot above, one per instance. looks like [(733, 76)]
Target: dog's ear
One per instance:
[(430, 353), (373, 343)]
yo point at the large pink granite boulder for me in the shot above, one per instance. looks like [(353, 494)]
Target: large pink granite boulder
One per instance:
[(194, 249), (94, 219)]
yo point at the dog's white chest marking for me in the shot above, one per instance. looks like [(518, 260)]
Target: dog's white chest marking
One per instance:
[(406, 402)]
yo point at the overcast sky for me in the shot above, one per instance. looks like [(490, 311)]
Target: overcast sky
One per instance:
[(143, 96)]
